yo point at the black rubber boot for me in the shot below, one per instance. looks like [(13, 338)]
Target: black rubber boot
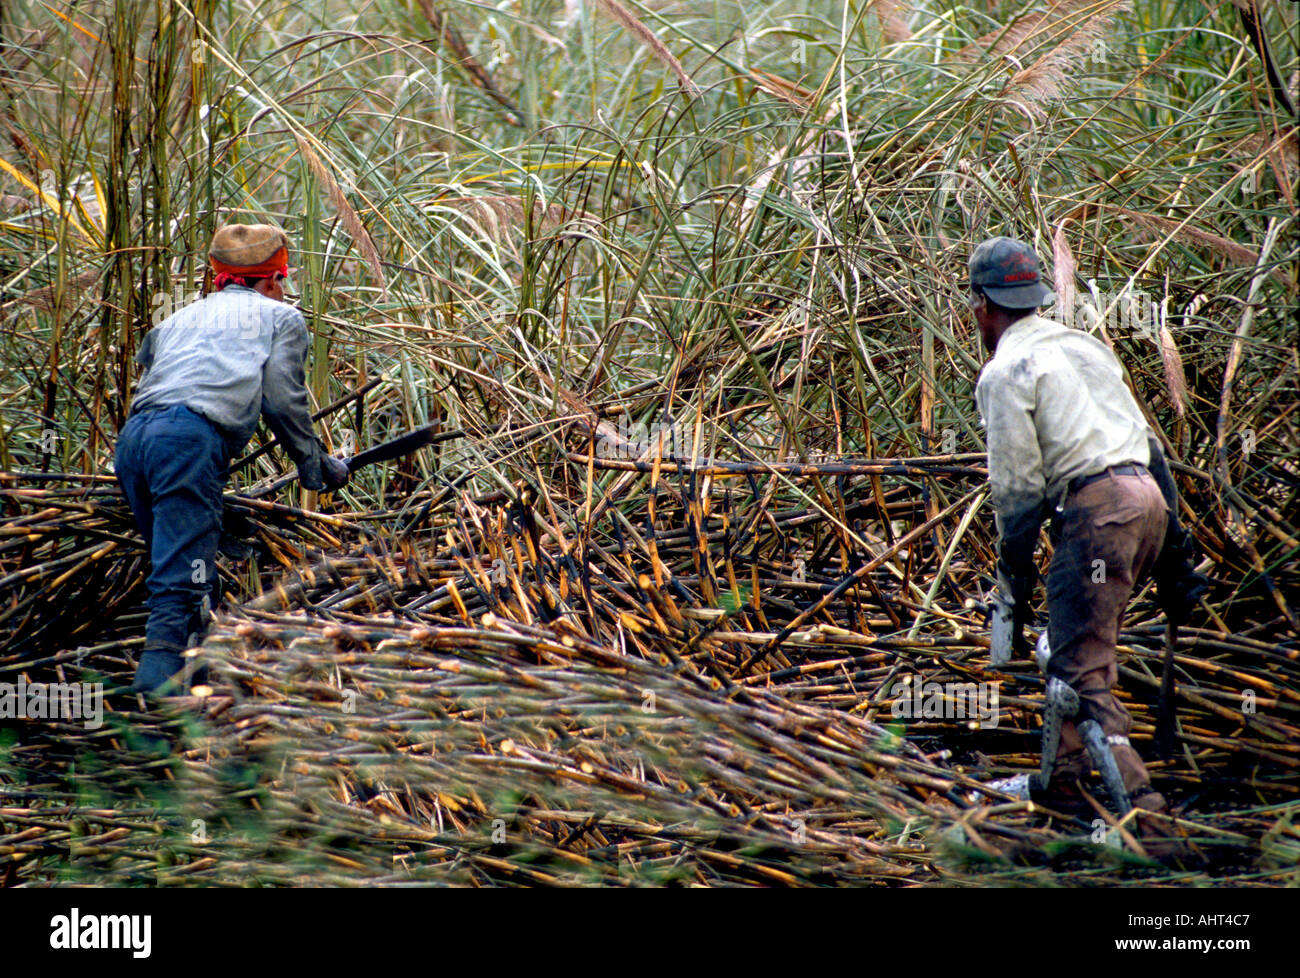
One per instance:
[(155, 668)]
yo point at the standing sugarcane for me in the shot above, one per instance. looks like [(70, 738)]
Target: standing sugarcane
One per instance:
[(1066, 438), (210, 369)]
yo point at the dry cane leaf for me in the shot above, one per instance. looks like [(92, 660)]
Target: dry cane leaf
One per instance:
[(351, 220), (76, 290), (893, 20), (1237, 253), (1063, 268), (1175, 376), (651, 40)]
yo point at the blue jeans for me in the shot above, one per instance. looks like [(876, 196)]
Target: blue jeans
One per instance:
[(172, 465)]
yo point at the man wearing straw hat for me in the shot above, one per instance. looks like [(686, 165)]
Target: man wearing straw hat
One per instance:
[(209, 371), (1066, 440)]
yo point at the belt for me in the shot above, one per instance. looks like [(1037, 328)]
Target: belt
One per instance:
[(230, 441), (166, 407), (1128, 468), (153, 409)]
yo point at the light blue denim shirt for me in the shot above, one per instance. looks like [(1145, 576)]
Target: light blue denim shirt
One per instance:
[(231, 356)]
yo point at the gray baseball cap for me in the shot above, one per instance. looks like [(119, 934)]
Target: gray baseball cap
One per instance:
[(1006, 270)]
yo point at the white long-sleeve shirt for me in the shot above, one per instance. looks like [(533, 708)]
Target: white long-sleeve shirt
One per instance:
[(1054, 407)]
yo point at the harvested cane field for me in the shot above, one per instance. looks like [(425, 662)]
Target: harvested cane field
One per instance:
[(688, 587)]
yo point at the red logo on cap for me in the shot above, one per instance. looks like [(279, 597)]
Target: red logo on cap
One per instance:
[(1027, 268)]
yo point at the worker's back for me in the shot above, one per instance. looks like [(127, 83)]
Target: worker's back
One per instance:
[(212, 354), (1055, 406)]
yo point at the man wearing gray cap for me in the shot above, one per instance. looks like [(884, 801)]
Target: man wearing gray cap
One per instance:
[(210, 370), (1067, 440)]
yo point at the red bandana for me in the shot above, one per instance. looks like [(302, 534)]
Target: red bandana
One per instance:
[(240, 274)]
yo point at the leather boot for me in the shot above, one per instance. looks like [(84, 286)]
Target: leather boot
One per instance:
[(1158, 833)]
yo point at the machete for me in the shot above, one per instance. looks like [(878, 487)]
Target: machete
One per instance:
[(401, 445), (396, 448)]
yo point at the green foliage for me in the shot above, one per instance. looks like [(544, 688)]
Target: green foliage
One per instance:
[(517, 220), (772, 251)]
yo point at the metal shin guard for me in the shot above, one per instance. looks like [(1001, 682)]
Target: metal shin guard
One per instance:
[(1043, 652), (1103, 759), (1063, 704), (1060, 704)]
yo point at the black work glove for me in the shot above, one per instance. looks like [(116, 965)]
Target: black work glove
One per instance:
[(333, 473)]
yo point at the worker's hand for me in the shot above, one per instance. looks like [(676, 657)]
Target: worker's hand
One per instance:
[(333, 472)]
